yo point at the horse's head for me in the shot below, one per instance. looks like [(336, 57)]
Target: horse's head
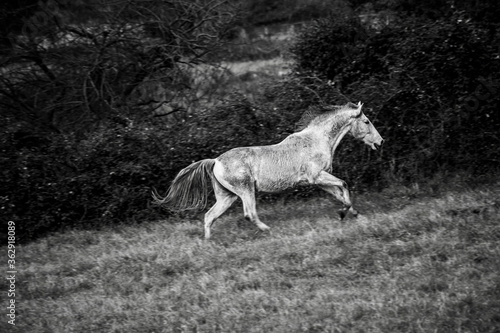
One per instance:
[(363, 129)]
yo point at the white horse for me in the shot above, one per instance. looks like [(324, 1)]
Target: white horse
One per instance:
[(304, 157)]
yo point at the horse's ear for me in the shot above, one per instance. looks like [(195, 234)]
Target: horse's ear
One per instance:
[(359, 113)]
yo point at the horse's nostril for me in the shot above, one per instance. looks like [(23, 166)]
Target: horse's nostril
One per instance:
[(379, 144)]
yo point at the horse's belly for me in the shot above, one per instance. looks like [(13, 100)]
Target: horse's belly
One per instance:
[(276, 181)]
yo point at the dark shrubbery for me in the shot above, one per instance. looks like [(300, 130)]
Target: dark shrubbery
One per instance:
[(107, 177), (432, 87), (327, 46), (68, 184), (68, 98)]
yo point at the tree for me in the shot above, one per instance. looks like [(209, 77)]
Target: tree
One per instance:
[(74, 65)]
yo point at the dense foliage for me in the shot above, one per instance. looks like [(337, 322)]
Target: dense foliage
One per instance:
[(432, 87), (77, 153)]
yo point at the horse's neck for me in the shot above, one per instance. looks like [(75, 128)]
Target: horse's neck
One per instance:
[(330, 137), (338, 136)]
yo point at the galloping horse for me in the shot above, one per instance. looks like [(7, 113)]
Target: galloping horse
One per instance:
[(304, 157)]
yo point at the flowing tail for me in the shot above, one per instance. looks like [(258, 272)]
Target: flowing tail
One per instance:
[(190, 188)]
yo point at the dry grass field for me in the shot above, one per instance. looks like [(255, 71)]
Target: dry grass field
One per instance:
[(410, 263)]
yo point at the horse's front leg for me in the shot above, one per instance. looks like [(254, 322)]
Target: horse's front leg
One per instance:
[(338, 188)]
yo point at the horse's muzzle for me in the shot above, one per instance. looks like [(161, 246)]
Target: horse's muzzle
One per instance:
[(378, 144)]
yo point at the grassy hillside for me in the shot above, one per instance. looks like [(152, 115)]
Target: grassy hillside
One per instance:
[(408, 264)]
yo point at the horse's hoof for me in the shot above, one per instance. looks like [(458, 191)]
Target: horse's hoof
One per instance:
[(263, 232), (342, 214), (264, 228), (355, 213)]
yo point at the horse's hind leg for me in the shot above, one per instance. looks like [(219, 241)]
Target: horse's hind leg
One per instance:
[(242, 184), (250, 209), (338, 188), (224, 200), (246, 191)]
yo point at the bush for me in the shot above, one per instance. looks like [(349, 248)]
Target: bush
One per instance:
[(327, 46), (106, 178), (431, 86), (67, 184), (70, 155)]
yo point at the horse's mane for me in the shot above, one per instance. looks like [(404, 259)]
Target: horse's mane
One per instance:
[(316, 111)]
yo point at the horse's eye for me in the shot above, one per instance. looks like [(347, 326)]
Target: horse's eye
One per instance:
[(367, 121)]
